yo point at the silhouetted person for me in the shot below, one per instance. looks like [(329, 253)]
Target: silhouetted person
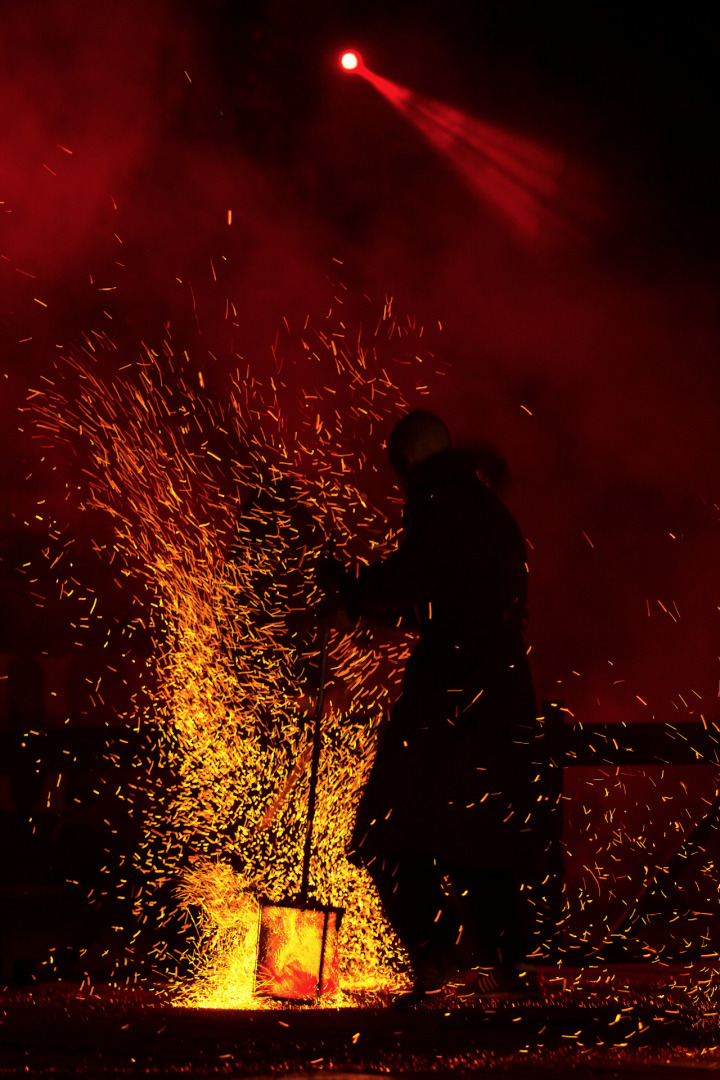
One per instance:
[(444, 823)]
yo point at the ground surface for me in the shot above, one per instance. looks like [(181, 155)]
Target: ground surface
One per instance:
[(601, 1023)]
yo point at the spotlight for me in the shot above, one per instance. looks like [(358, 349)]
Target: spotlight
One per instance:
[(350, 61)]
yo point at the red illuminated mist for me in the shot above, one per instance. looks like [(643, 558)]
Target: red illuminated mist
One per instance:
[(543, 196), (597, 375)]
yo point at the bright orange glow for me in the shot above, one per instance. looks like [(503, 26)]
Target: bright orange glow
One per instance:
[(219, 509), (291, 951), (350, 61)]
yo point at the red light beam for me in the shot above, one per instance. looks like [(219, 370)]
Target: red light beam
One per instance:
[(544, 195)]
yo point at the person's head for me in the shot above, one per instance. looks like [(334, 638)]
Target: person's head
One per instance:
[(415, 438)]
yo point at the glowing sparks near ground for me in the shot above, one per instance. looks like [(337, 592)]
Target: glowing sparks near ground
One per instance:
[(220, 511)]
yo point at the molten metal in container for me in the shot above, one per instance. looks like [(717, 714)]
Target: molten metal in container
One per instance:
[(297, 951), (297, 941)]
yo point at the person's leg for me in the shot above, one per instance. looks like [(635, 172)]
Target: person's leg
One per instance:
[(491, 902), (410, 888), (496, 920)]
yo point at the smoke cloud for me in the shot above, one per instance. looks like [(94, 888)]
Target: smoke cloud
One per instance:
[(142, 185), (133, 198)]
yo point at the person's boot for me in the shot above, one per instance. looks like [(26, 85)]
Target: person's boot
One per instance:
[(434, 968), (503, 981)]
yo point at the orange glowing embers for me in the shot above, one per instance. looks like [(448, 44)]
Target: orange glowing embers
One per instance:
[(230, 734), (297, 951)]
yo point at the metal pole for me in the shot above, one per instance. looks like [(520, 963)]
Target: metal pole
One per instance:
[(314, 767)]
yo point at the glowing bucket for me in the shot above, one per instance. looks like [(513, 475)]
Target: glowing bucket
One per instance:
[(297, 951)]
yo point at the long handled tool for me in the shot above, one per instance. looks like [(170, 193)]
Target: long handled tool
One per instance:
[(310, 754), (314, 769), (297, 942)]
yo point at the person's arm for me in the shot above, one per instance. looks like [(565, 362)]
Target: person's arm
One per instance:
[(394, 587)]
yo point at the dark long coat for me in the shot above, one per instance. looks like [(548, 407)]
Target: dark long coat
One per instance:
[(457, 771)]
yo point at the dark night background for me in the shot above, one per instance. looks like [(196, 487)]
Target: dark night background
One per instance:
[(176, 112)]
